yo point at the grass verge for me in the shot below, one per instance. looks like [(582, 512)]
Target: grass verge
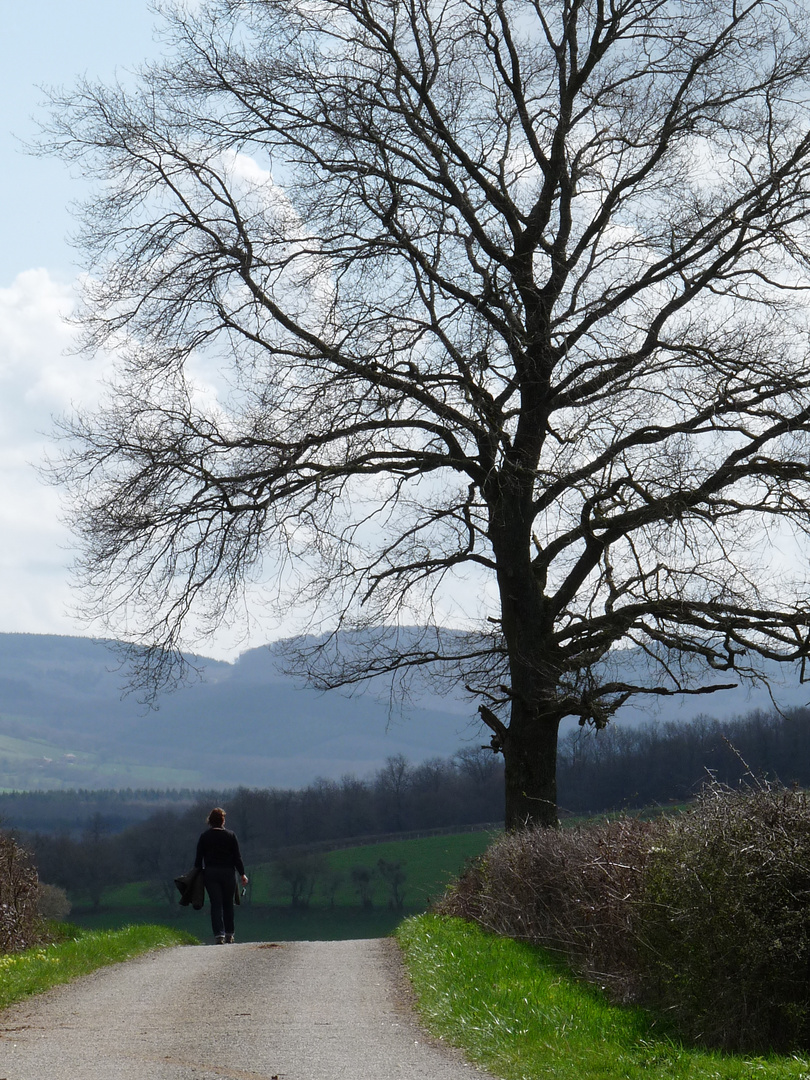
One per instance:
[(79, 953), (514, 1010)]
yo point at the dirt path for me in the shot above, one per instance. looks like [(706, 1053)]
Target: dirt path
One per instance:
[(296, 1011)]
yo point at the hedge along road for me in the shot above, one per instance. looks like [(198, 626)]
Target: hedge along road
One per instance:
[(297, 1011)]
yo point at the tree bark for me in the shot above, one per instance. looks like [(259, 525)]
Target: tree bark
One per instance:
[(530, 741), (530, 757)]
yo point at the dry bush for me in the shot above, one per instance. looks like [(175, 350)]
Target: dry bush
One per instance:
[(727, 919), (52, 902), (20, 926), (704, 915), (575, 891)]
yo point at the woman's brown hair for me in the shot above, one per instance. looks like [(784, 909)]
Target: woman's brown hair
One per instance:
[(216, 819)]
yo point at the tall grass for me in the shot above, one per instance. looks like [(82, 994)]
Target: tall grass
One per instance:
[(517, 1012)]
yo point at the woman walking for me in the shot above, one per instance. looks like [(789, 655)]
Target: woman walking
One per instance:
[(219, 859)]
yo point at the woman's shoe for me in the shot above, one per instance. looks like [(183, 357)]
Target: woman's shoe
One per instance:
[(229, 939), (220, 940)]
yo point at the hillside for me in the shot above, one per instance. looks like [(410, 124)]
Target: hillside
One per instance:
[(64, 723)]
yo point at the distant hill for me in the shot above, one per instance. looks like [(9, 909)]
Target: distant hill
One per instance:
[(64, 723)]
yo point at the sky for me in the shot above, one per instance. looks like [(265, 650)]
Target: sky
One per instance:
[(46, 43), (50, 43)]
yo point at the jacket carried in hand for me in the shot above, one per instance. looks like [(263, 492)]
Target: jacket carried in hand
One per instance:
[(192, 888)]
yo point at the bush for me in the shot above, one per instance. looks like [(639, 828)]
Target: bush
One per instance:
[(575, 891), (726, 927), (52, 902), (20, 925), (299, 871), (704, 915), (362, 878)]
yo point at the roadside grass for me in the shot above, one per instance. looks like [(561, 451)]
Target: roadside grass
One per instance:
[(517, 1012), (78, 953)]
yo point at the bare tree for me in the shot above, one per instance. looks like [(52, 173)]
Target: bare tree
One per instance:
[(503, 288), (392, 784), (300, 871), (394, 877), (362, 877)]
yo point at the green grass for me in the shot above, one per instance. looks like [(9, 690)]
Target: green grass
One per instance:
[(514, 1010), (256, 922), (79, 953), (429, 864), (35, 764), (133, 895)]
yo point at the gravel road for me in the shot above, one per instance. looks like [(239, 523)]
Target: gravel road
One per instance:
[(301, 1010)]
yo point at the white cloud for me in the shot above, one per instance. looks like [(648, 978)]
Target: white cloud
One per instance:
[(37, 380), (40, 378)]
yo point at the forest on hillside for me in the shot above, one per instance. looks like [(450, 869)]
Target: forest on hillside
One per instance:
[(85, 841)]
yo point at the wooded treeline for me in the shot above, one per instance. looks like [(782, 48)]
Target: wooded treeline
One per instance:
[(618, 768), (401, 797), (632, 767)]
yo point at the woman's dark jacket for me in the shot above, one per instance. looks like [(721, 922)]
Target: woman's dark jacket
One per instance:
[(192, 889), (219, 847)]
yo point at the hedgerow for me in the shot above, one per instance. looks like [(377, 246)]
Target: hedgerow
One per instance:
[(726, 919), (704, 915), (20, 924), (575, 891)]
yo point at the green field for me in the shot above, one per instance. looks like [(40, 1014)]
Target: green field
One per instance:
[(34, 764), (428, 863)]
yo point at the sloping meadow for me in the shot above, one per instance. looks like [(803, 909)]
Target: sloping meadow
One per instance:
[(703, 916)]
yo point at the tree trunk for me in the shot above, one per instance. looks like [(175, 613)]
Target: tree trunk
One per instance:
[(530, 759), (530, 741)]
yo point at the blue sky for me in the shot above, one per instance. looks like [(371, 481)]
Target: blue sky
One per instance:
[(51, 43)]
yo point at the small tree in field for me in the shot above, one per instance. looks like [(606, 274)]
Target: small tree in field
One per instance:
[(362, 878), (300, 873), (394, 877), (505, 289)]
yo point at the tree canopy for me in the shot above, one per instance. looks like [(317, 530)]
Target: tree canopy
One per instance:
[(506, 288)]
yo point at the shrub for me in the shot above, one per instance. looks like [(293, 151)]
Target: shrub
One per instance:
[(394, 877), (726, 929), (704, 915), (20, 926), (52, 902), (299, 871), (362, 878), (575, 891)]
